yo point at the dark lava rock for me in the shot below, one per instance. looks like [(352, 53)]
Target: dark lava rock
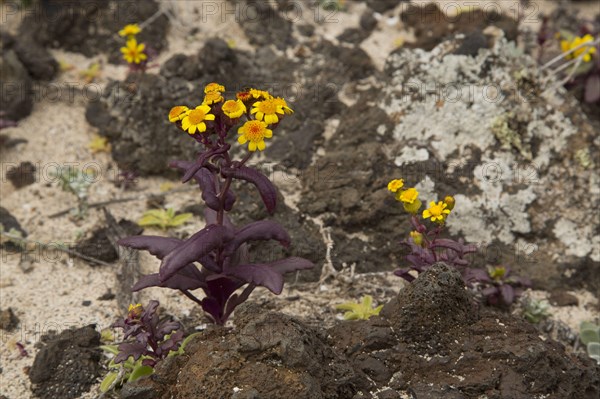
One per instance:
[(22, 175), (562, 298), (264, 25), (431, 25), (91, 27), (107, 296), (8, 320), (98, 246), (40, 64), (9, 222), (382, 6), (477, 353), (472, 43), (267, 356), (353, 35), (368, 21), (16, 101), (350, 192), (67, 365)]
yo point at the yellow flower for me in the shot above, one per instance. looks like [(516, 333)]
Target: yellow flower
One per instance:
[(234, 108), (449, 201), (395, 185), (133, 52), (195, 119), (135, 311), (281, 102), (408, 196), (130, 30), (417, 237), (436, 212), (212, 97), (244, 96), (584, 51), (214, 87), (260, 94), (267, 111), (497, 273), (178, 113), (254, 132)]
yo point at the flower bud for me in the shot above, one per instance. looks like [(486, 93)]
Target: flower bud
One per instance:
[(449, 201)]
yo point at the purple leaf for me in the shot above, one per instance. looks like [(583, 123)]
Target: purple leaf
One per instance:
[(156, 245), (508, 293), (193, 249), (404, 273), (269, 275), (211, 218), (592, 89), (478, 275), (266, 189), (261, 230), (188, 278), (127, 349)]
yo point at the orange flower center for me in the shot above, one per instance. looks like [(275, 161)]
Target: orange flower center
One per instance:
[(255, 131), (436, 210), (268, 107), (196, 116), (230, 106)]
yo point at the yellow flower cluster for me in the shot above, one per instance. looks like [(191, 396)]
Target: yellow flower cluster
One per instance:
[(133, 52), (259, 107), (437, 212), (582, 50)]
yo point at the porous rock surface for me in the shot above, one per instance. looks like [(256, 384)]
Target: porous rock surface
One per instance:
[(431, 341), (491, 129), (67, 365)]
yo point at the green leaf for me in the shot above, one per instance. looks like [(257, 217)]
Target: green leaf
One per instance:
[(593, 349), (110, 349), (360, 311), (108, 381), (180, 219), (139, 372), (590, 335)]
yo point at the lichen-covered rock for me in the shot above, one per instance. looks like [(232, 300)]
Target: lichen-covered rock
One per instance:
[(490, 129)]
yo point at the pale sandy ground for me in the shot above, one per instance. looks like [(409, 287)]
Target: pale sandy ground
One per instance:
[(50, 296)]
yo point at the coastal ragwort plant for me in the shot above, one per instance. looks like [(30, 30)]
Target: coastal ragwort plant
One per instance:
[(426, 248), (220, 248), (147, 339), (363, 310)]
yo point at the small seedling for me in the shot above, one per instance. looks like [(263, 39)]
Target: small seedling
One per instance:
[(91, 73), (148, 340), (360, 311), (77, 182), (99, 144), (499, 286), (163, 219), (535, 311), (589, 335)]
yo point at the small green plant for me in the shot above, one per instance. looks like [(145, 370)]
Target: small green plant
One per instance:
[(148, 339), (589, 335), (12, 236), (535, 311), (91, 73), (76, 182), (163, 218), (360, 311)]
